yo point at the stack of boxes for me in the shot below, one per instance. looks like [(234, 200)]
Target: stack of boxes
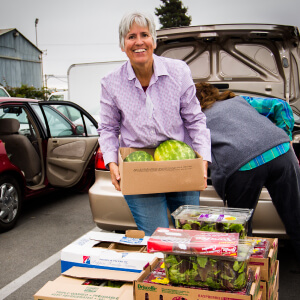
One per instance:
[(102, 265), (183, 259), (269, 268), (229, 220)]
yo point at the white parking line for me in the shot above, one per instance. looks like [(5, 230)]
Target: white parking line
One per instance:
[(23, 279), (35, 271)]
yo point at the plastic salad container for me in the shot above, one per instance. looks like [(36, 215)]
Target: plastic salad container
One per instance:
[(158, 276), (193, 242), (217, 219), (187, 264)]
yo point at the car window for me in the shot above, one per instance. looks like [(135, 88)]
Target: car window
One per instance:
[(3, 93), (65, 120), (70, 112), (91, 129), (20, 114), (78, 119), (56, 97), (58, 125)]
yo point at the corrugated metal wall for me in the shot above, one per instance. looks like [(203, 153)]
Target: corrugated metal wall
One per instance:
[(20, 61)]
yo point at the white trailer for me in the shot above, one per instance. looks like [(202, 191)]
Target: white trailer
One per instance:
[(84, 83)]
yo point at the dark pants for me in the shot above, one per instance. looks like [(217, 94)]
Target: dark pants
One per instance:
[(281, 177)]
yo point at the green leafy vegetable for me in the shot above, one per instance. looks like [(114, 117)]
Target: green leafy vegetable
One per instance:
[(204, 271), (202, 260), (187, 227)]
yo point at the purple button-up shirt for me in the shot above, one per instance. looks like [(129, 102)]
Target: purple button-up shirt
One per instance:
[(169, 109)]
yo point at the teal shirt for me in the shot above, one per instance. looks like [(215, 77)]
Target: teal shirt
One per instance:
[(281, 114)]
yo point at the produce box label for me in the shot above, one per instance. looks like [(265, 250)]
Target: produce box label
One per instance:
[(131, 241), (216, 217), (171, 240)]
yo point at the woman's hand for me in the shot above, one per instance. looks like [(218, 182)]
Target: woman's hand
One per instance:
[(205, 167), (115, 175)]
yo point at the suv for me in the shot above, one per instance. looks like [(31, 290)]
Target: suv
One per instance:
[(249, 59)]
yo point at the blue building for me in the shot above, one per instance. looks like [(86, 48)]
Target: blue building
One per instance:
[(20, 60)]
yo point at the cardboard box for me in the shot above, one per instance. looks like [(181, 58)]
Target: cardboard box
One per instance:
[(270, 288), (267, 265), (111, 251), (147, 177), (151, 291), (70, 286)]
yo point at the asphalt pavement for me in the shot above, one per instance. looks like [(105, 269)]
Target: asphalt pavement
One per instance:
[(30, 253)]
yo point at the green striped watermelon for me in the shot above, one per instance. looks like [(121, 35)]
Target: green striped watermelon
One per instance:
[(173, 150), (139, 156)]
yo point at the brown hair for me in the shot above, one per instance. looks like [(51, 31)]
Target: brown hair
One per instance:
[(207, 94)]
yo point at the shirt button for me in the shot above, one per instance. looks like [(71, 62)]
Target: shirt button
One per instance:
[(152, 131)]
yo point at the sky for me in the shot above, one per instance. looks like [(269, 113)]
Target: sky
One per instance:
[(80, 31)]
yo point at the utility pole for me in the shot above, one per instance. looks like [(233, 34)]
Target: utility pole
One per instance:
[(36, 40)]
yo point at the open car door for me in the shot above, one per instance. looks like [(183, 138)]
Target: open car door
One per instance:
[(72, 141)]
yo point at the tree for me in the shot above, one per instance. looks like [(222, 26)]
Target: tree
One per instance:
[(172, 14), (26, 91)]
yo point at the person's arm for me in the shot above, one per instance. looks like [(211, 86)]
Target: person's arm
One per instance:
[(115, 175), (205, 167), (109, 130), (195, 122), (277, 110), (194, 119)]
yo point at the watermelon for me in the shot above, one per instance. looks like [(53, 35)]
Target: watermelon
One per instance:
[(138, 156), (173, 150)]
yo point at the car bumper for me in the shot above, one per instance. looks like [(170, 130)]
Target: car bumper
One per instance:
[(111, 212)]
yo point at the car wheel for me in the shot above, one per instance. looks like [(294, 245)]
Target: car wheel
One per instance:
[(10, 202)]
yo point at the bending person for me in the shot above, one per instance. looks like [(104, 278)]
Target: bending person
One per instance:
[(250, 152)]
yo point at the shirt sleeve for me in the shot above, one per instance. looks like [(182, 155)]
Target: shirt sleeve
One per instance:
[(109, 127), (194, 119), (277, 110)]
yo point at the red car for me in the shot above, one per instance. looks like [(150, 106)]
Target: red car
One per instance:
[(44, 146)]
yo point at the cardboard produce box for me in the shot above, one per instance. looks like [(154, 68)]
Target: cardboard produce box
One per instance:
[(267, 265), (111, 251), (270, 288), (153, 291), (75, 284), (147, 177)]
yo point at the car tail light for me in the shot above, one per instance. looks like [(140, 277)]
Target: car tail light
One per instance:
[(99, 162)]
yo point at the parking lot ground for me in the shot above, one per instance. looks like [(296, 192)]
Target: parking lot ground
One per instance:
[(46, 226)]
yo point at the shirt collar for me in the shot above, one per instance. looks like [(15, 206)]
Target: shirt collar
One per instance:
[(158, 67)]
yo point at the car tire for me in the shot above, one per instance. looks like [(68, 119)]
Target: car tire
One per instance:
[(10, 202)]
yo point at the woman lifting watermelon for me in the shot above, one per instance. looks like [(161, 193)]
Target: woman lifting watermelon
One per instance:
[(149, 100)]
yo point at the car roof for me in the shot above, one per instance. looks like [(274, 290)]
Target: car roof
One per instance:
[(15, 99)]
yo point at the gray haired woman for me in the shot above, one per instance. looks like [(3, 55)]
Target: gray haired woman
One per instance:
[(148, 100)]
